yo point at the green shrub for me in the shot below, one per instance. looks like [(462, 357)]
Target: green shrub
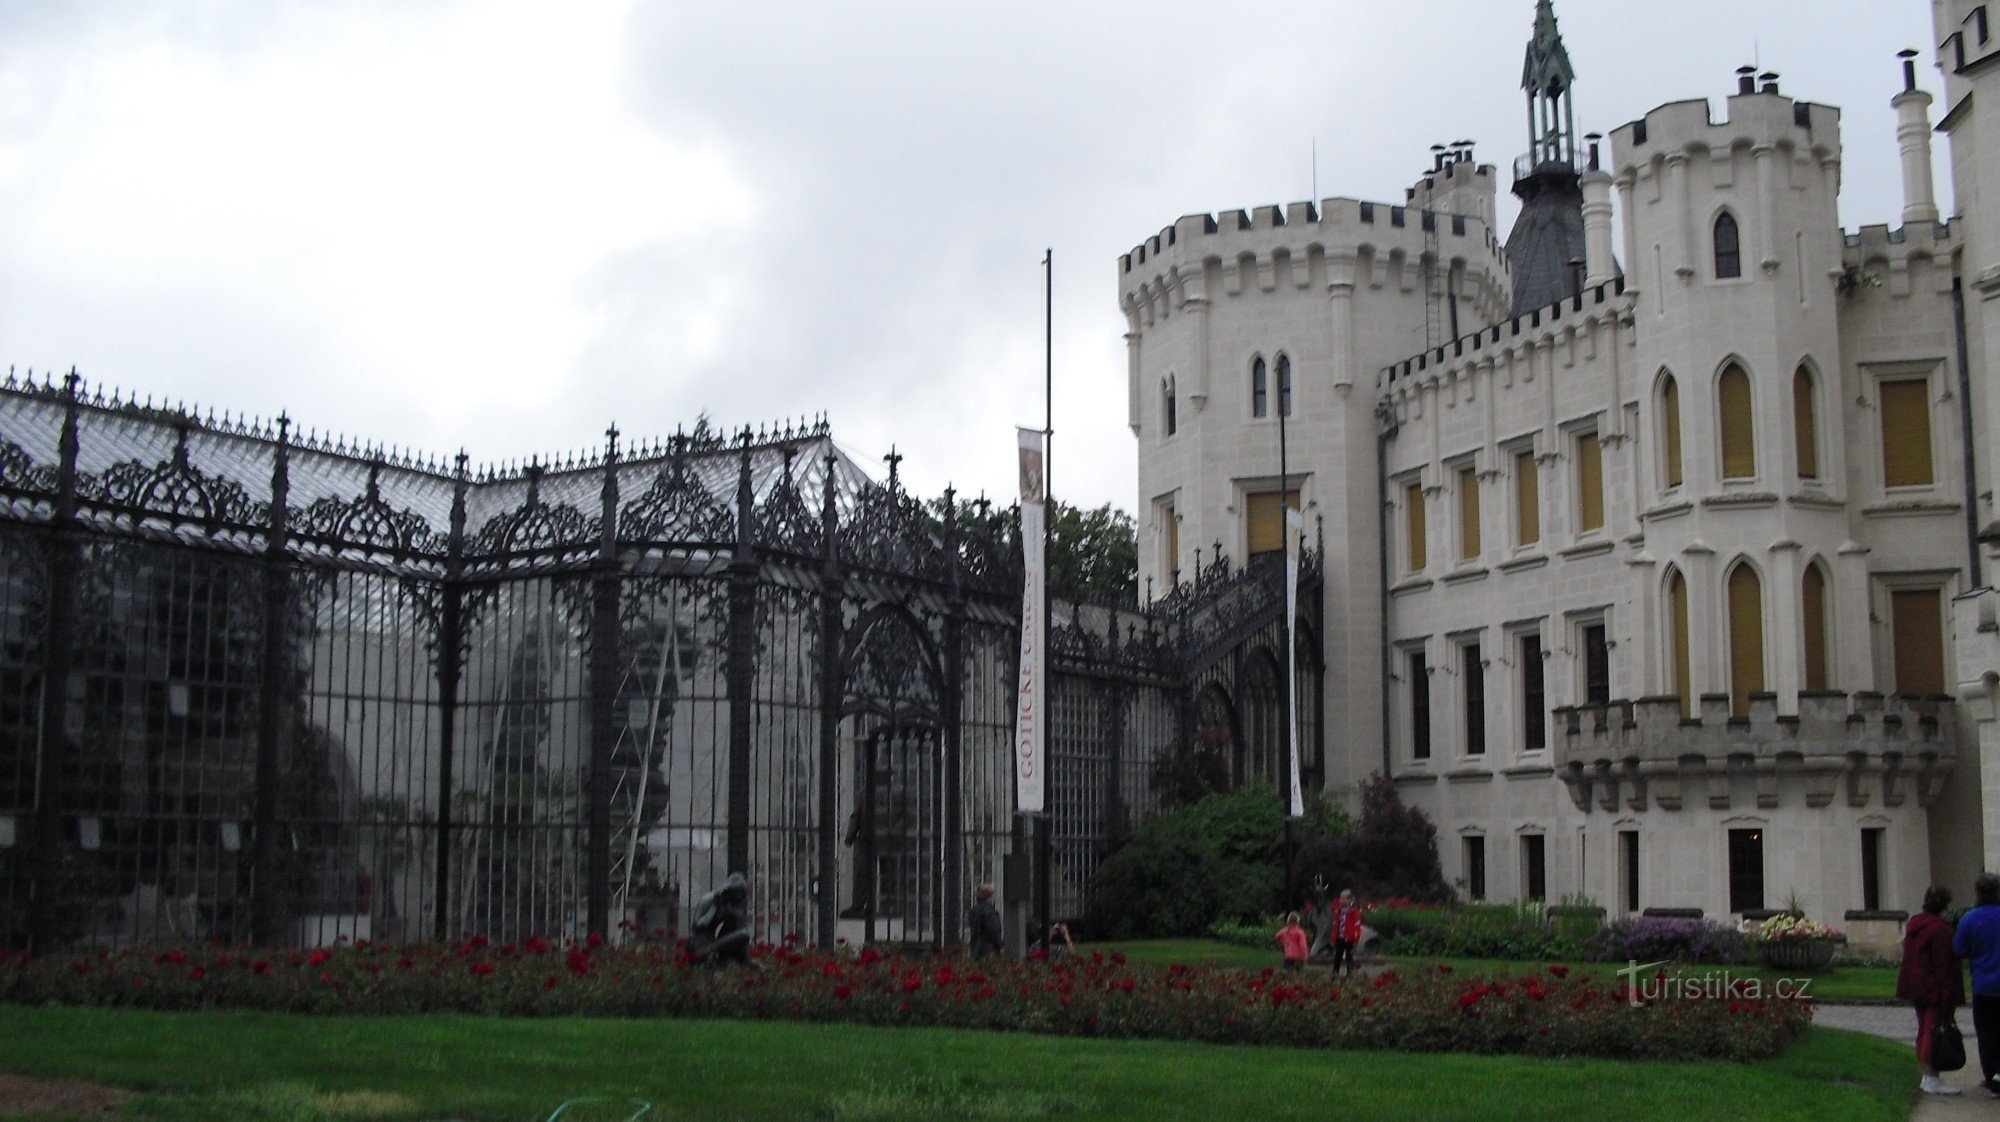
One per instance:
[(1221, 858), (1525, 930)]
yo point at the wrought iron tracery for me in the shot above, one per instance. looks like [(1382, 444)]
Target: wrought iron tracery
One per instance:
[(677, 506), (176, 488)]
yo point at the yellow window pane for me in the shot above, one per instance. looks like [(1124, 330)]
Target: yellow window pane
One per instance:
[(1264, 524), (1739, 430), (1527, 499), (1670, 431), (1589, 483), (1812, 593), (1413, 504), (1917, 619), (1468, 513), (1906, 433), (1677, 614), (1805, 425), (1746, 638)]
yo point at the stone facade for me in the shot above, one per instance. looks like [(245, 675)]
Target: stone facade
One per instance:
[(1666, 593)]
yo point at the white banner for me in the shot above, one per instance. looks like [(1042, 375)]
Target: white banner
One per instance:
[(1294, 542), (1030, 716)]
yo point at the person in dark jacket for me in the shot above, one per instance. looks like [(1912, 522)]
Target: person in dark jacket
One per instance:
[(1978, 943), (1931, 979), (987, 935)]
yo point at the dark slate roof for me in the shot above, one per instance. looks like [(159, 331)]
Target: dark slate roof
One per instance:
[(1547, 240)]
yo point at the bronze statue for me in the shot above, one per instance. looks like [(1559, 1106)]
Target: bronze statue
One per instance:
[(722, 924)]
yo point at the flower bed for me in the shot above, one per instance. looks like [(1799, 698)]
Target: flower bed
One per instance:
[(1792, 942), (1654, 938), (1544, 1012)]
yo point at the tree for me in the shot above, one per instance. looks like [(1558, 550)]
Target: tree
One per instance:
[(1391, 851), (1093, 554)]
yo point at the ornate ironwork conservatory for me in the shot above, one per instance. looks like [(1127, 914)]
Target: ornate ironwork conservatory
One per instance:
[(259, 686)]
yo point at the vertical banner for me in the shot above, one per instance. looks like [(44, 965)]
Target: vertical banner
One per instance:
[(1031, 712), (1294, 544)]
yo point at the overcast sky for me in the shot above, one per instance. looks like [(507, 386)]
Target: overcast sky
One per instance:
[(504, 225)]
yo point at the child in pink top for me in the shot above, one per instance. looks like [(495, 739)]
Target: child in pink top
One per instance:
[(1292, 940)]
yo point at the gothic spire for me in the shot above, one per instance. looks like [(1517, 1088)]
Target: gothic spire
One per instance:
[(1547, 76), (1547, 69)]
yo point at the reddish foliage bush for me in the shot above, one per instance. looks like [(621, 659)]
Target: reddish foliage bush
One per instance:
[(1544, 1012)]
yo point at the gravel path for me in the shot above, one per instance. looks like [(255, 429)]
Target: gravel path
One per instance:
[(1898, 1023)]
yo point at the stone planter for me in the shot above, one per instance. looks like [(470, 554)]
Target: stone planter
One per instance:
[(1797, 954)]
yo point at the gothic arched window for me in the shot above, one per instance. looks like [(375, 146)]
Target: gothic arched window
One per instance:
[(1805, 424), (1739, 427), (1167, 405), (1746, 638), (1728, 247), (1260, 390), (1284, 386)]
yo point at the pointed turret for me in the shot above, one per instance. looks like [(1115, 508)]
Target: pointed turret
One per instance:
[(1545, 249)]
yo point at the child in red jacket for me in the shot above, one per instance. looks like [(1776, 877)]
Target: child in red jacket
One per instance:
[(1346, 930), (1292, 940)]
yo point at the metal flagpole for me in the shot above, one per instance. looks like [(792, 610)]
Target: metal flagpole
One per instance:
[(1295, 801), (1045, 824)]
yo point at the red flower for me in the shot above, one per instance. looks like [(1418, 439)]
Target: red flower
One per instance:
[(549, 983), (535, 944), (260, 967), (1559, 971), (843, 991), (595, 939), (318, 957), (482, 968)]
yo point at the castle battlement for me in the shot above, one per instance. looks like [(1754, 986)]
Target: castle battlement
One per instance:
[(1303, 245), (1442, 363), (1755, 121), (1370, 223), (1647, 753)]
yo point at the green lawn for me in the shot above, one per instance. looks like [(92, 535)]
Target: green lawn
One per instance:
[(1844, 983), (271, 1067)]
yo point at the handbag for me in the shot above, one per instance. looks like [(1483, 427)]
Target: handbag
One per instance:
[(1947, 1044)]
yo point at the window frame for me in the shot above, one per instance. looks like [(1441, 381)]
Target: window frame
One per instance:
[(1807, 444), (1924, 373), (1472, 859), (1740, 707), (1516, 453), (1169, 407), (1470, 661), (1941, 583), (1527, 664), (1734, 254), (1630, 869), (1534, 849), (1466, 553), (1737, 366), (1260, 389), (1419, 717), (1738, 880), (1414, 525), (1671, 427), (1579, 624), (1577, 436)]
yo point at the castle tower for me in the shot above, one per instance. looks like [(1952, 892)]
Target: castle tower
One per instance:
[(1546, 246)]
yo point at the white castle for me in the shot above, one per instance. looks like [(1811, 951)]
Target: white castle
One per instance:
[(1664, 584)]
